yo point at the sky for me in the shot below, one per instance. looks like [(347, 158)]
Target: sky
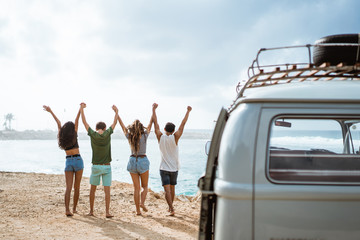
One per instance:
[(134, 53)]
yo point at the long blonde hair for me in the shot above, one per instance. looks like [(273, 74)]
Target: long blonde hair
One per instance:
[(135, 130)]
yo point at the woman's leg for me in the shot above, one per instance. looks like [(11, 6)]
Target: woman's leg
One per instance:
[(78, 176), (136, 183), (69, 176), (144, 184)]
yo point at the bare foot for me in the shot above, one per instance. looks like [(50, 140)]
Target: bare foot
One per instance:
[(144, 208), (74, 211), (172, 213), (91, 214), (108, 215), (138, 214), (69, 214)]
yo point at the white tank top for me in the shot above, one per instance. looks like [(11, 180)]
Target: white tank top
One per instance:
[(169, 153)]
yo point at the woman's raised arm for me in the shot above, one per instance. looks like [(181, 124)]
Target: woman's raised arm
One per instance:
[(77, 120), (150, 123), (48, 109), (122, 125)]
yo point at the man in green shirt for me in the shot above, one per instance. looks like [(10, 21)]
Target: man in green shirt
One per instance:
[(101, 158)]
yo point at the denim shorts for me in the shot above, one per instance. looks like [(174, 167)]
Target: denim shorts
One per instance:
[(74, 163), (100, 171), (168, 178), (139, 165)]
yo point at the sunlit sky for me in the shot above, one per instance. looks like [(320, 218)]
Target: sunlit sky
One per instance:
[(135, 53)]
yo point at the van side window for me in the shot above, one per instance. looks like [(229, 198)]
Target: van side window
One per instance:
[(314, 151)]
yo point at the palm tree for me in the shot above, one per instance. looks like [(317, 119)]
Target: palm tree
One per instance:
[(8, 118)]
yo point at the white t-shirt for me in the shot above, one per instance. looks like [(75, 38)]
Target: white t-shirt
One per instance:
[(169, 153)]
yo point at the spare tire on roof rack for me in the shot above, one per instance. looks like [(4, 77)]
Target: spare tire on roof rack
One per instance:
[(349, 55)]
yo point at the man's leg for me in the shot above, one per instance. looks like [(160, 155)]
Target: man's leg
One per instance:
[(106, 179), (92, 199), (173, 182), (107, 201), (94, 182), (169, 199), (172, 191)]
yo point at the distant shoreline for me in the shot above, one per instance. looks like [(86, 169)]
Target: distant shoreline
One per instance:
[(51, 135)]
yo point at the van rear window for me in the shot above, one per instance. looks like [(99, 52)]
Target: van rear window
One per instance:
[(316, 150)]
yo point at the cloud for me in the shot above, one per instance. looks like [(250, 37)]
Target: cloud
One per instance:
[(135, 53)]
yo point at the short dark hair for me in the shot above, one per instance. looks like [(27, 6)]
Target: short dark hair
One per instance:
[(100, 125), (170, 127)]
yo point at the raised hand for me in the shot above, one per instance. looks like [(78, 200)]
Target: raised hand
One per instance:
[(47, 108), (155, 105), (115, 108), (189, 108), (83, 105)]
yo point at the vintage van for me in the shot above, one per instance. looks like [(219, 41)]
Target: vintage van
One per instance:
[(284, 160)]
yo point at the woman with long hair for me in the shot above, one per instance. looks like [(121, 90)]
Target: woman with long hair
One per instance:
[(138, 164), (67, 140)]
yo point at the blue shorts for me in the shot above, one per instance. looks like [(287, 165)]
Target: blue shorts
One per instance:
[(139, 165), (168, 178), (100, 171), (74, 163)]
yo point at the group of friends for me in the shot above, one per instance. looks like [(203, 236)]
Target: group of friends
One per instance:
[(138, 164)]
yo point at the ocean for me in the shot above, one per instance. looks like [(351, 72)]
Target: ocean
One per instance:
[(44, 156), (306, 140)]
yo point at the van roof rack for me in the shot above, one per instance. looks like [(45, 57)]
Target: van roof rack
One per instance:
[(267, 75)]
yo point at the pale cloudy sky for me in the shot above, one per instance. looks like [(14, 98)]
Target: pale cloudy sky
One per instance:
[(134, 53)]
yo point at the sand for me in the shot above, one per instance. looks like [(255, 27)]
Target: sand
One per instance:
[(32, 207)]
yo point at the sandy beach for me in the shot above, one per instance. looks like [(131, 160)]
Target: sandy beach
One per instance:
[(32, 207)]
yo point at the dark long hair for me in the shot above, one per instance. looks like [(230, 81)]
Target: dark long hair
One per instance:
[(67, 135), (136, 129)]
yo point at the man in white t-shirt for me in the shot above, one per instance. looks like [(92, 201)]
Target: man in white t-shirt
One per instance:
[(169, 166)]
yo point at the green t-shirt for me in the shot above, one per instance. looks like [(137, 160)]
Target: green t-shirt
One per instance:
[(101, 147)]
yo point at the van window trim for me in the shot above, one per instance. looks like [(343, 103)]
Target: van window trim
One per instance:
[(304, 116)]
